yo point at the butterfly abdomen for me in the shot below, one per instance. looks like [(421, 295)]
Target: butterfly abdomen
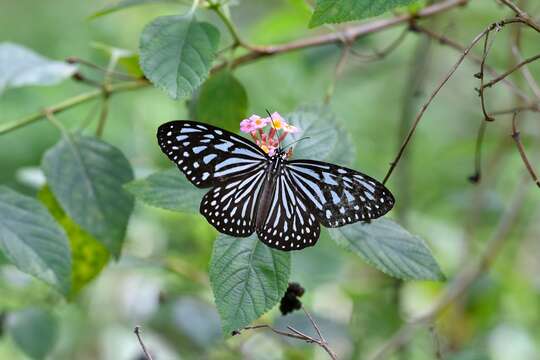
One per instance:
[(267, 193)]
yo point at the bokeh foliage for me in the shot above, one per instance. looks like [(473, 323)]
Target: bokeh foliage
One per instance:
[(162, 277)]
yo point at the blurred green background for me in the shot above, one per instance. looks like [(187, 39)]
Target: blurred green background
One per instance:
[(161, 279)]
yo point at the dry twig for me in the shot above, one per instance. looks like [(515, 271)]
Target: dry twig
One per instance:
[(137, 332), (296, 334), (521, 149)]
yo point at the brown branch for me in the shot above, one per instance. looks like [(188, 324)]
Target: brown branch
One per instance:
[(525, 72), (530, 107), (137, 332), (349, 34), (119, 75), (521, 149), (429, 100), (443, 40), (510, 71), (522, 14), (381, 54), (487, 48), (296, 334), (463, 280), (424, 107)]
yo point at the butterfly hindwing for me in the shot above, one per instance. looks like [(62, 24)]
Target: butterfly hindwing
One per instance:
[(338, 195), (207, 155), (231, 207), (289, 225)]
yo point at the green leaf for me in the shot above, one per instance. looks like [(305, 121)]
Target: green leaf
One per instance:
[(222, 101), (20, 66), (169, 190), (35, 332), (124, 4), (338, 11), (248, 278), (33, 241), (177, 53), (319, 125), (88, 255), (390, 248), (86, 176)]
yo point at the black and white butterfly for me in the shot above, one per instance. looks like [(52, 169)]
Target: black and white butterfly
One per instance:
[(284, 201)]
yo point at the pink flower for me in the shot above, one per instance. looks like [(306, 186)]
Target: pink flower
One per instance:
[(276, 121), (268, 142), (258, 122), (290, 128), (247, 126)]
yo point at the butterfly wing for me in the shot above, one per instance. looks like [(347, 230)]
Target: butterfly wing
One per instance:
[(207, 155), (231, 207), (289, 225), (338, 195)]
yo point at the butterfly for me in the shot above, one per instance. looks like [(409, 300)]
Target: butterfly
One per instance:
[(284, 201)]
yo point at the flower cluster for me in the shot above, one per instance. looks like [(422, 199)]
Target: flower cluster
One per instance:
[(270, 141)]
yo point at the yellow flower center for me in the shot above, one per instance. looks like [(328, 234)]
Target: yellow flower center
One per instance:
[(276, 123)]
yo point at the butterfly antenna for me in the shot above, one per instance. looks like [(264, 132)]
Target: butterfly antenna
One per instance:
[(272, 120), (294, 142)]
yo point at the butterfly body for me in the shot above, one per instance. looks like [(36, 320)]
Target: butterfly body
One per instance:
[(284, 201), (274, 164)]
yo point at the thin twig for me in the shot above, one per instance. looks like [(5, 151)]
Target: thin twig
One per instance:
[(428, 102), (463, 280), (137, 332), (443, 40), (296, 334), (440, 86), (514, 7), (516, 52), (323, 341), (314, 324), (381, 54), (237, 39), (487, 48), (301, 334), (119, 75), (279, 332), (517, 138), (531, 107), (522, 14), (510, 71)]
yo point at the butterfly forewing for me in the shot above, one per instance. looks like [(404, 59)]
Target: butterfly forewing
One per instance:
[(289, 225), (207, 155), (338, 195), (231, 207)]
